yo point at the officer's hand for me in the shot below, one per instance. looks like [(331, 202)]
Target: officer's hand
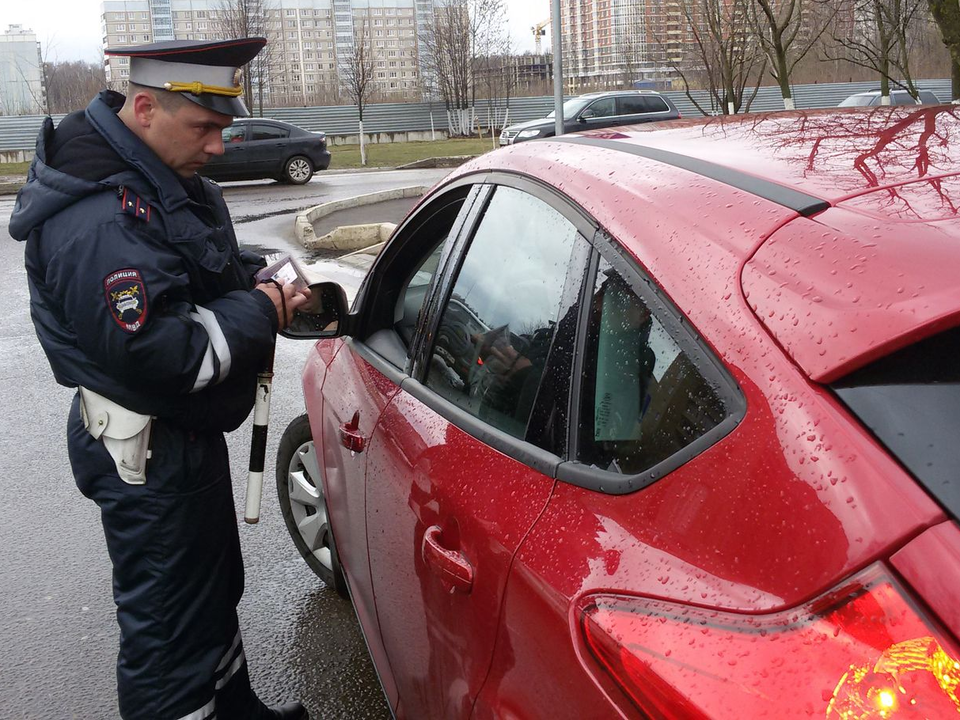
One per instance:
[(283, 298)]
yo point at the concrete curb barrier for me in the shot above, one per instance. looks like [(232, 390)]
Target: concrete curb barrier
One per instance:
[(354, 237), (303, 227), (437, 162)]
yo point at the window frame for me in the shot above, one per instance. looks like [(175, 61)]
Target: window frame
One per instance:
[(690, 342)]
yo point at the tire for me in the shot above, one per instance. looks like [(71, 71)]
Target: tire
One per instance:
[(298, 170), (303, 506)]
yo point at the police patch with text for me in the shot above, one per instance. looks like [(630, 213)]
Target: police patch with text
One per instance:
[(126, 297)]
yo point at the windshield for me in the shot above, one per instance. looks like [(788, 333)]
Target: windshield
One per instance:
[(572, 108)]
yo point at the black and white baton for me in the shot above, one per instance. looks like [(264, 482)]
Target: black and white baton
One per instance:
[(258, 446)]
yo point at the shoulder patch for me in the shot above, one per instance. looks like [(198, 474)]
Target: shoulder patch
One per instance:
[(133, 204), (126, 297)]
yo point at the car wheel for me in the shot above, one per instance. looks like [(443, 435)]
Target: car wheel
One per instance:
[(298, 170), (303, 506)]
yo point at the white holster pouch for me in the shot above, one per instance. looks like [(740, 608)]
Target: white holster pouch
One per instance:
[(125, 434)]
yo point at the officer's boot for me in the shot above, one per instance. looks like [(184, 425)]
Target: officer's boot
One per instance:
[(290, 711)]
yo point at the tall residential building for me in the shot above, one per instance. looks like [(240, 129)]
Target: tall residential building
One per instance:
[(608, 41), (22, 89), (310, 42)]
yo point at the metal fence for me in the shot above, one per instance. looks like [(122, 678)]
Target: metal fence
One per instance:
[(20, 133)]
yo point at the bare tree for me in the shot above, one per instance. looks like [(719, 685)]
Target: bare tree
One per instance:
[(946, 13), (882, 40), (461, 34), (358, 74), (248, 18), (787, 30), (723, 55), (70, 85)]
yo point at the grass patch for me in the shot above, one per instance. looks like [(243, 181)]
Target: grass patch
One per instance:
[(394, 154), (14, 168)]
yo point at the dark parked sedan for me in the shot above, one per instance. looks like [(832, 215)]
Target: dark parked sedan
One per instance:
[(256, 148)]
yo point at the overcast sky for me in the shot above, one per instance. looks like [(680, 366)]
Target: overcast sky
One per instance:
[(70, 29)]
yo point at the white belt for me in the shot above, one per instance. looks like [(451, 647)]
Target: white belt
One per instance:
[(125, 434)]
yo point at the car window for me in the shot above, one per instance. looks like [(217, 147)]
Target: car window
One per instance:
[(903, 98), (641, 104), (234, 134), (643, 398), (605, 107), (856, 101), (414, 293), (498, 324), (269, 132), (929, 98)]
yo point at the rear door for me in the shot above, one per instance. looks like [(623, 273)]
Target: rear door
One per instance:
[(463, 459)]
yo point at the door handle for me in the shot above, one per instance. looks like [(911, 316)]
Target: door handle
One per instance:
[(449, 565), (350, 436)]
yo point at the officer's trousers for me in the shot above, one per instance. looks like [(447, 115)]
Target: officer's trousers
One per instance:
[(177, 575)]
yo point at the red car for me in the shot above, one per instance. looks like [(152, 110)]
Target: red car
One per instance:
[(654, 422)]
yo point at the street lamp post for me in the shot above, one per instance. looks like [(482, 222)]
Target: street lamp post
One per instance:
[(557, 69)]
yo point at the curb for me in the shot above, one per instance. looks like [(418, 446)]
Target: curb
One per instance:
[(303, 224)]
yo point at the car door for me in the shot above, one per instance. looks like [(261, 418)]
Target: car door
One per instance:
[(598, 114), (267, 148), (462, 461), (364, 376), (235, 152)]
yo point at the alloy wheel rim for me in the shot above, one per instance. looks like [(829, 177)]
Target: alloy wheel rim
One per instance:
[(306, 503), (299, 170)]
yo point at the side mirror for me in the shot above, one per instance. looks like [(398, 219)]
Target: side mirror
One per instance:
[(322, 317), (582, 120)]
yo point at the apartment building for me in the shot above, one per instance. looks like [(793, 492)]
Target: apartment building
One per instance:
[(608, 42), (22, 90), (310, 42)]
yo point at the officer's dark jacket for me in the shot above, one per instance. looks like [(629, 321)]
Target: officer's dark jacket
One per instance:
[(107, 223)]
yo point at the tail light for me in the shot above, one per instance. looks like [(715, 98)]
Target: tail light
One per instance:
[(865, 650)]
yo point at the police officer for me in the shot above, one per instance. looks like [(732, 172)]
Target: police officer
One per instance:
[(143, 301)]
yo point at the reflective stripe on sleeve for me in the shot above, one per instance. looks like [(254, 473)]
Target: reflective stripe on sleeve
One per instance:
[(204, 713), (229, 653), (216, 360), (232, 670)]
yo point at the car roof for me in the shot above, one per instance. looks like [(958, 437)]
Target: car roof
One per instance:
[(606, 93), (867, 197)]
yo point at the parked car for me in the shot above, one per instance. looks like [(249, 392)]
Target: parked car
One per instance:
[(653, 422), (255, 148), (596, 110), (897, 97)]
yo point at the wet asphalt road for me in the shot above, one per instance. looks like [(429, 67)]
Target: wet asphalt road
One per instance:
[(58, 634)]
